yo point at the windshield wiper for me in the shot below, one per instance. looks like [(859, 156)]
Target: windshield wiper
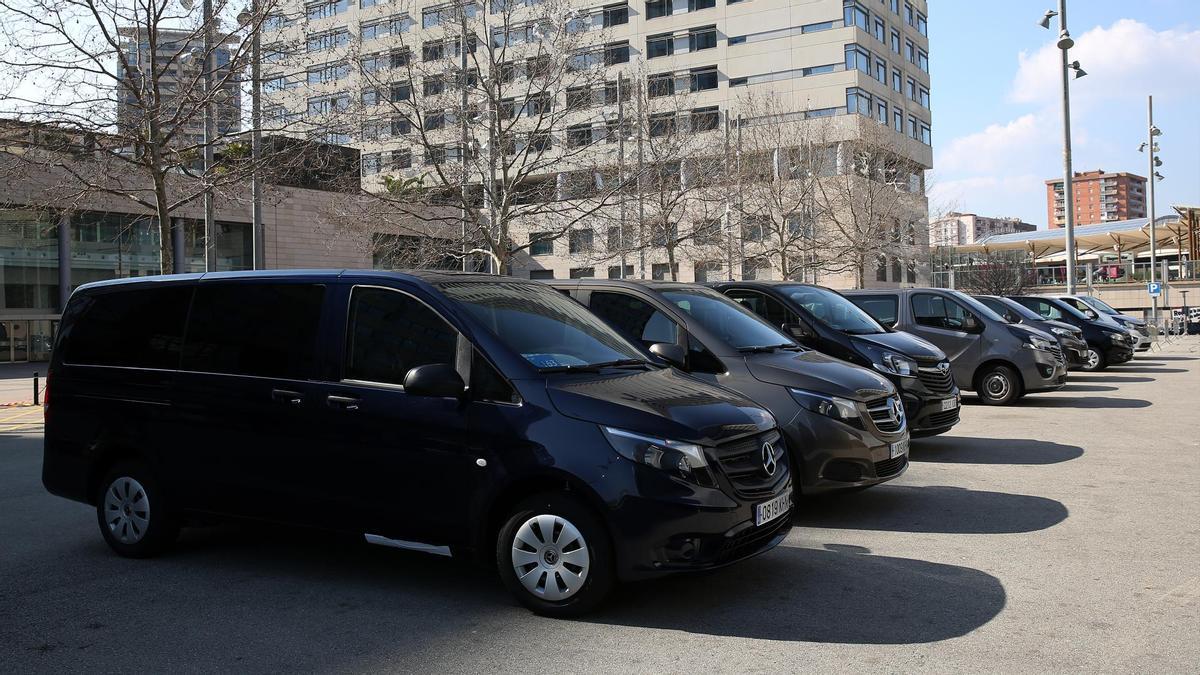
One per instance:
[(769, 349), (595, 367)]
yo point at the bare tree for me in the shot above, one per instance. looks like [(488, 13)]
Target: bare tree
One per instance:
[(130, 82), (503, 122), (873, 206), (996, 273)]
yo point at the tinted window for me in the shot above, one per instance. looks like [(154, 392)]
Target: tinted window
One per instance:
[(767, 307), (633, 317), (1042, 308), (729, 321), (138, 328), (834, 310), (487, 384), (936, 311), (391, 333), (267, 330), (545, 327), (999, 308), (883, 308)]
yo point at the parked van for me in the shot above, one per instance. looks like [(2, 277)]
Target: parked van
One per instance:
[(449, 413), (1070, 338), (845, 425), (1138, 330), (999, 361), (823, 319), (1108, 344)]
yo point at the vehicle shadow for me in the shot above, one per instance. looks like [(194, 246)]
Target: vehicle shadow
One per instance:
[(930, 509), (840, 594), (1115, 379), (1137, 368), (1156, 357), (1071, 386), (959, 450), (1083, 402)]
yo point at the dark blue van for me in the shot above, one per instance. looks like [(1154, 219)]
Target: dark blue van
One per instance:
[(450, 413)]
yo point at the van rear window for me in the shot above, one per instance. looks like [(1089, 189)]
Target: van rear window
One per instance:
[(140, 328), (262, 329), (883, 308)]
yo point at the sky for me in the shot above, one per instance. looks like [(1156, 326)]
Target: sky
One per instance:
[(997, 111)]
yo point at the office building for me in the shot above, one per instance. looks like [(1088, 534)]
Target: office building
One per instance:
[(962, 229), (1100, 197)]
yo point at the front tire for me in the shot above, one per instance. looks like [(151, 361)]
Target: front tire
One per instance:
[(1096, 361), (554, 555), (998, 385), (134, 513)]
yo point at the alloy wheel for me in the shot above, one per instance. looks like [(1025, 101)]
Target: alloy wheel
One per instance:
[(1093, 359), (550, 557), (127, 510), (997, 386)]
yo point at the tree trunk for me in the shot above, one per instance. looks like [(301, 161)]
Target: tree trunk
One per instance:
[(165, 240)]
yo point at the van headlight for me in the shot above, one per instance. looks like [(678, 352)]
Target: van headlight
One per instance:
[(841, 409), (682, 460), (892, 363), (1117, 337), (1061, 331), (1035, 342)]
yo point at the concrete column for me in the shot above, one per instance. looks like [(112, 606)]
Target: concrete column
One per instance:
[(178, 246), (64, 260)]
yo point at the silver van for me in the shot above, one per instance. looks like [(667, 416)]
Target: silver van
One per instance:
[(998, 360)]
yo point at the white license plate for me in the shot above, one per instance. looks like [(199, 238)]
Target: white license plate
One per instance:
[(777, 507), (949, 404), (898, 449)]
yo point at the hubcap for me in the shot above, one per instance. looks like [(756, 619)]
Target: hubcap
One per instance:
[(550, 557), (1093, 358), (996, 386), (127, 510)]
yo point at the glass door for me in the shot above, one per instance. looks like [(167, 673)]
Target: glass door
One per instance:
[(18, 332)]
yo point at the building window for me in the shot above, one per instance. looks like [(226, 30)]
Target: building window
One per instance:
[(662, 124), (616, 52), (703, 79), (541, 275), (856, 15), (895, 41), (923, 97), (881, 268), (660, 45), (858, 102), (858, 58), (923, 60), (660, 85), (614, 272), (616, 15), (400, 92), (705, 119), (660, 271), (331, 40), (702, 38), (433, 85), (657, 8), (580, 241), (323, 10), (583, 272), (739, 81), (541, 243), (898, 81), (579, 136), (697, 5), (898, 120), (371, 163), (922, 24), (910, 52), (880, 31), (881, 111), (435, 120), (881, 71)]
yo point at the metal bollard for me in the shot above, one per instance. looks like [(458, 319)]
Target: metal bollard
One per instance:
[(36, 390)]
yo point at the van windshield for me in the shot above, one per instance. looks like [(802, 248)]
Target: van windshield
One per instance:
[(1099, 305), (977, 306), (736, 325), (834, 310), (548, 329)]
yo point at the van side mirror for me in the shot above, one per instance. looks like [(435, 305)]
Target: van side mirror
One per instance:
[(798, 330), (1091, 314), (971, 325), (439, 380), (671, 353)]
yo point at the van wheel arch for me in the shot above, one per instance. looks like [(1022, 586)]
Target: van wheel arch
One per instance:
[(498, 509), (105, 457), (992, 363)]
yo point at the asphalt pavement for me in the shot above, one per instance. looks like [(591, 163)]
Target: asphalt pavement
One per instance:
[(1059, 534)]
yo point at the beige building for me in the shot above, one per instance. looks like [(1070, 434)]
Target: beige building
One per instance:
[(961, 229), (843, 64)]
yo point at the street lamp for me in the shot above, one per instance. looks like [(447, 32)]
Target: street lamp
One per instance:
[(209, 131), (1155, 176), (1064, 44), (246, 18)]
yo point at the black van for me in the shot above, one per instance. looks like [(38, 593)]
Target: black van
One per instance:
[(1107, 343), (825, 320), (845, 425), (450, 413)]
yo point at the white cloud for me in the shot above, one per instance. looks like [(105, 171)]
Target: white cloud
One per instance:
[(1126, 57), (997, 147), (990, 195)]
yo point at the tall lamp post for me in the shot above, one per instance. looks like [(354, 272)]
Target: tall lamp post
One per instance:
[(247, 18), (1064, 44), (1154, 176)]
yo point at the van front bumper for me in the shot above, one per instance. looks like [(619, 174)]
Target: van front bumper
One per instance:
[(1047, 372)]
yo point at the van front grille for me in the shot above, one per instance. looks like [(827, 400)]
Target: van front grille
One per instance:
[(882, 416), (742, 463), (936, 380), (890, 467)]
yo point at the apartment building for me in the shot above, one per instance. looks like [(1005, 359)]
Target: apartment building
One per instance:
[(858, 67), (178, 55), (1100, 197), (962, 229)]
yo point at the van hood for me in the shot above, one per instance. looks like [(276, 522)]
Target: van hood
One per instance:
[(815, 372), (1128, 320), (1050, 323), (1022, 328), (904, 344), (664, 403)]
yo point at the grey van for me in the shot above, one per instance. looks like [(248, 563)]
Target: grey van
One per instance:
[(997, 360)]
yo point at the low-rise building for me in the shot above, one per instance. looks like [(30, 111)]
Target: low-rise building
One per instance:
[(962, 229)]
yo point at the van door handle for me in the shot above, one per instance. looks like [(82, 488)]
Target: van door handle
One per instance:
[(343, 402), (287, 396)]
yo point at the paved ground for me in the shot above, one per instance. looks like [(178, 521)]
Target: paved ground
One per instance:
[(1061, 534), (16, 381)]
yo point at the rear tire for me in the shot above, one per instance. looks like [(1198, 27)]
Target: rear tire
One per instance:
[(998, 385), (554, 556), (135, 515), (1096, 361)]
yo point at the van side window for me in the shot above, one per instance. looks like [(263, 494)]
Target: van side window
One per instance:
[(883, 308), (633, 317), (763, 305), (391, 333), (260, 329), (487, 384), (936, 311), (135, 328)]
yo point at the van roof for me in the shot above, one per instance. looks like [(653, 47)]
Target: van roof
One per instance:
[(428, 276)]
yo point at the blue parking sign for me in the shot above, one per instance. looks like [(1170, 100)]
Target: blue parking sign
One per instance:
[(1154, 289)]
